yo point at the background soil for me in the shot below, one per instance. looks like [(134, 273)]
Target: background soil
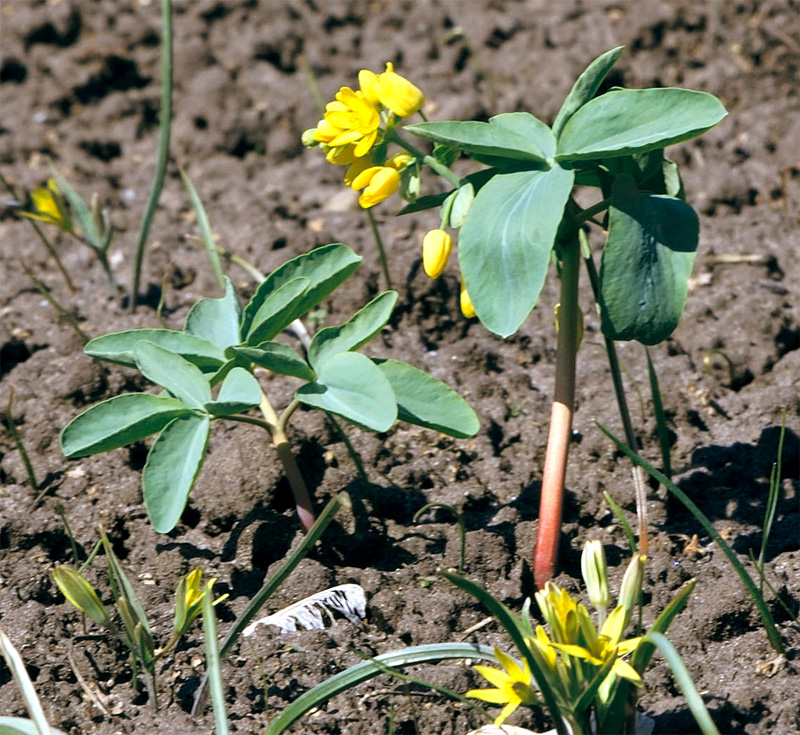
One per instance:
[(80, 86)]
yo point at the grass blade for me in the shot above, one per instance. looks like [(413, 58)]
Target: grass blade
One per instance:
[(772, 499), (623, 521), (685, 683), (342, 500), (213, 667), (700, 517), (23, 681), (661, 419), (369, 669), (205, 231)]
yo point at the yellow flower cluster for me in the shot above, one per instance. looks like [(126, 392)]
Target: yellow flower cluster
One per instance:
[(350, 132)]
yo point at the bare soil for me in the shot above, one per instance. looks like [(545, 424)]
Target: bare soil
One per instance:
[(79, 85)]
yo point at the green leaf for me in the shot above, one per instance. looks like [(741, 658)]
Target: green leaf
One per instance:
[(647, 261), (505, 244), (21, 726), (530, 128), (480, 137), (459, 207), (216, 320), (172, 466), (277, 310), (118, 421), (586, 87), (350, 385), (355, 332), (240, 392), (425, 401), (624, 121), (367, 670), (430, 201), (278, 358), (118, 347), (326, 268), (182, 379)]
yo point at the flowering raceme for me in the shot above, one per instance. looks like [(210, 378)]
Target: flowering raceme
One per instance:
[(349, 119)]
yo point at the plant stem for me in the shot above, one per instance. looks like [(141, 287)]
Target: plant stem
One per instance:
[(429, 161), (379, 244), (162, 155), (555, 464), (279, 440)]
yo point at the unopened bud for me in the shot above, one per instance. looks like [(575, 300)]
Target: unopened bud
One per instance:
[(631, 589), (595, 574)]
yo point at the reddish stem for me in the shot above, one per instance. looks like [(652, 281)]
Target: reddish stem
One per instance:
[(555, 463)]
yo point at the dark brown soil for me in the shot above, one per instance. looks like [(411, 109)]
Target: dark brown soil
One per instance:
[(80, 85)]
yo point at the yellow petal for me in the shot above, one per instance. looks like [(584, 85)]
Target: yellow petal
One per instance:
[(382, 185), (466, 303), (626, 671), (512, 667), (397, 94), (436, 247), (499, 678), (493, 696), (508, 710), (368, 81)]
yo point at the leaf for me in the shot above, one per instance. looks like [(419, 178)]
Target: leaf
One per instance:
[(117, 348), (459, 208), (326, 268), (530, 128), (350, 385), (429, 201), (21, 726), (355, 332), (504, 247), (79, 208), (278, 358), (118, 421), (479, 137), (647, 261), (240, 392), (277, 311), (586, 87), (182, 379), (423, 400), (624, 121), (216, 320), (172, 466)]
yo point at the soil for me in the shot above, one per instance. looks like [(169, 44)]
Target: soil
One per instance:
[(80, 86)]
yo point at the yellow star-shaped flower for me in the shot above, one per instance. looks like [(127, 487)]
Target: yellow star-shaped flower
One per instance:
[(514, 686)]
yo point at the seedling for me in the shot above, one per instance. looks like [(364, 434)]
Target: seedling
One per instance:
[(518, 213), (134, 631), (222, 345)]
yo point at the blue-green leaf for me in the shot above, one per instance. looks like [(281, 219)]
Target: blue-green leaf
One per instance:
[(647, 261), (625, 121), (354, 333), (216, 320), (530, 128), (277, 311), (118, 347), (326, 268), (21, 726), (172, 466), (350, 385), (482, 138), (278, 358), (505, 244), (182, 379), (425, 401), (118, 421), (586, 87), (239, 392)]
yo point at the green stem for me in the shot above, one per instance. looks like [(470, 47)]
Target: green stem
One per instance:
[(429, 161), (555, 464), (379, 244), (162, 155), (12, 429)]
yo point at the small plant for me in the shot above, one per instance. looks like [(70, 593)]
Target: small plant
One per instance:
[(517, 213), (135, 631), (222, 345), (581, 670)]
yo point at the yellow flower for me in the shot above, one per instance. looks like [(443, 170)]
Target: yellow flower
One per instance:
[(559, 611), (466, 303), (349, 119), (378, 182), (50, 207), (189, 599), (436, 247), (600, 648), (393, 91), (514, 686)]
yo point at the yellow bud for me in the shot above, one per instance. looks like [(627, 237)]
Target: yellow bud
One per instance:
[(466, 303), (436, 247), (399, 161), (81, 594), (397, 94), (368, 81), (380, 182)]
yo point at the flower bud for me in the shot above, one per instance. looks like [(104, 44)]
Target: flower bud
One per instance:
[(308, 139), (395, 92), (595, 574), (632, 586), (378, 182), (81, 594), (466, 303), (436, 247)]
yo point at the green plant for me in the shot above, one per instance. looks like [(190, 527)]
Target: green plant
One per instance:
[(135, 631), (518, 213), (582, 672), (222, 345)]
